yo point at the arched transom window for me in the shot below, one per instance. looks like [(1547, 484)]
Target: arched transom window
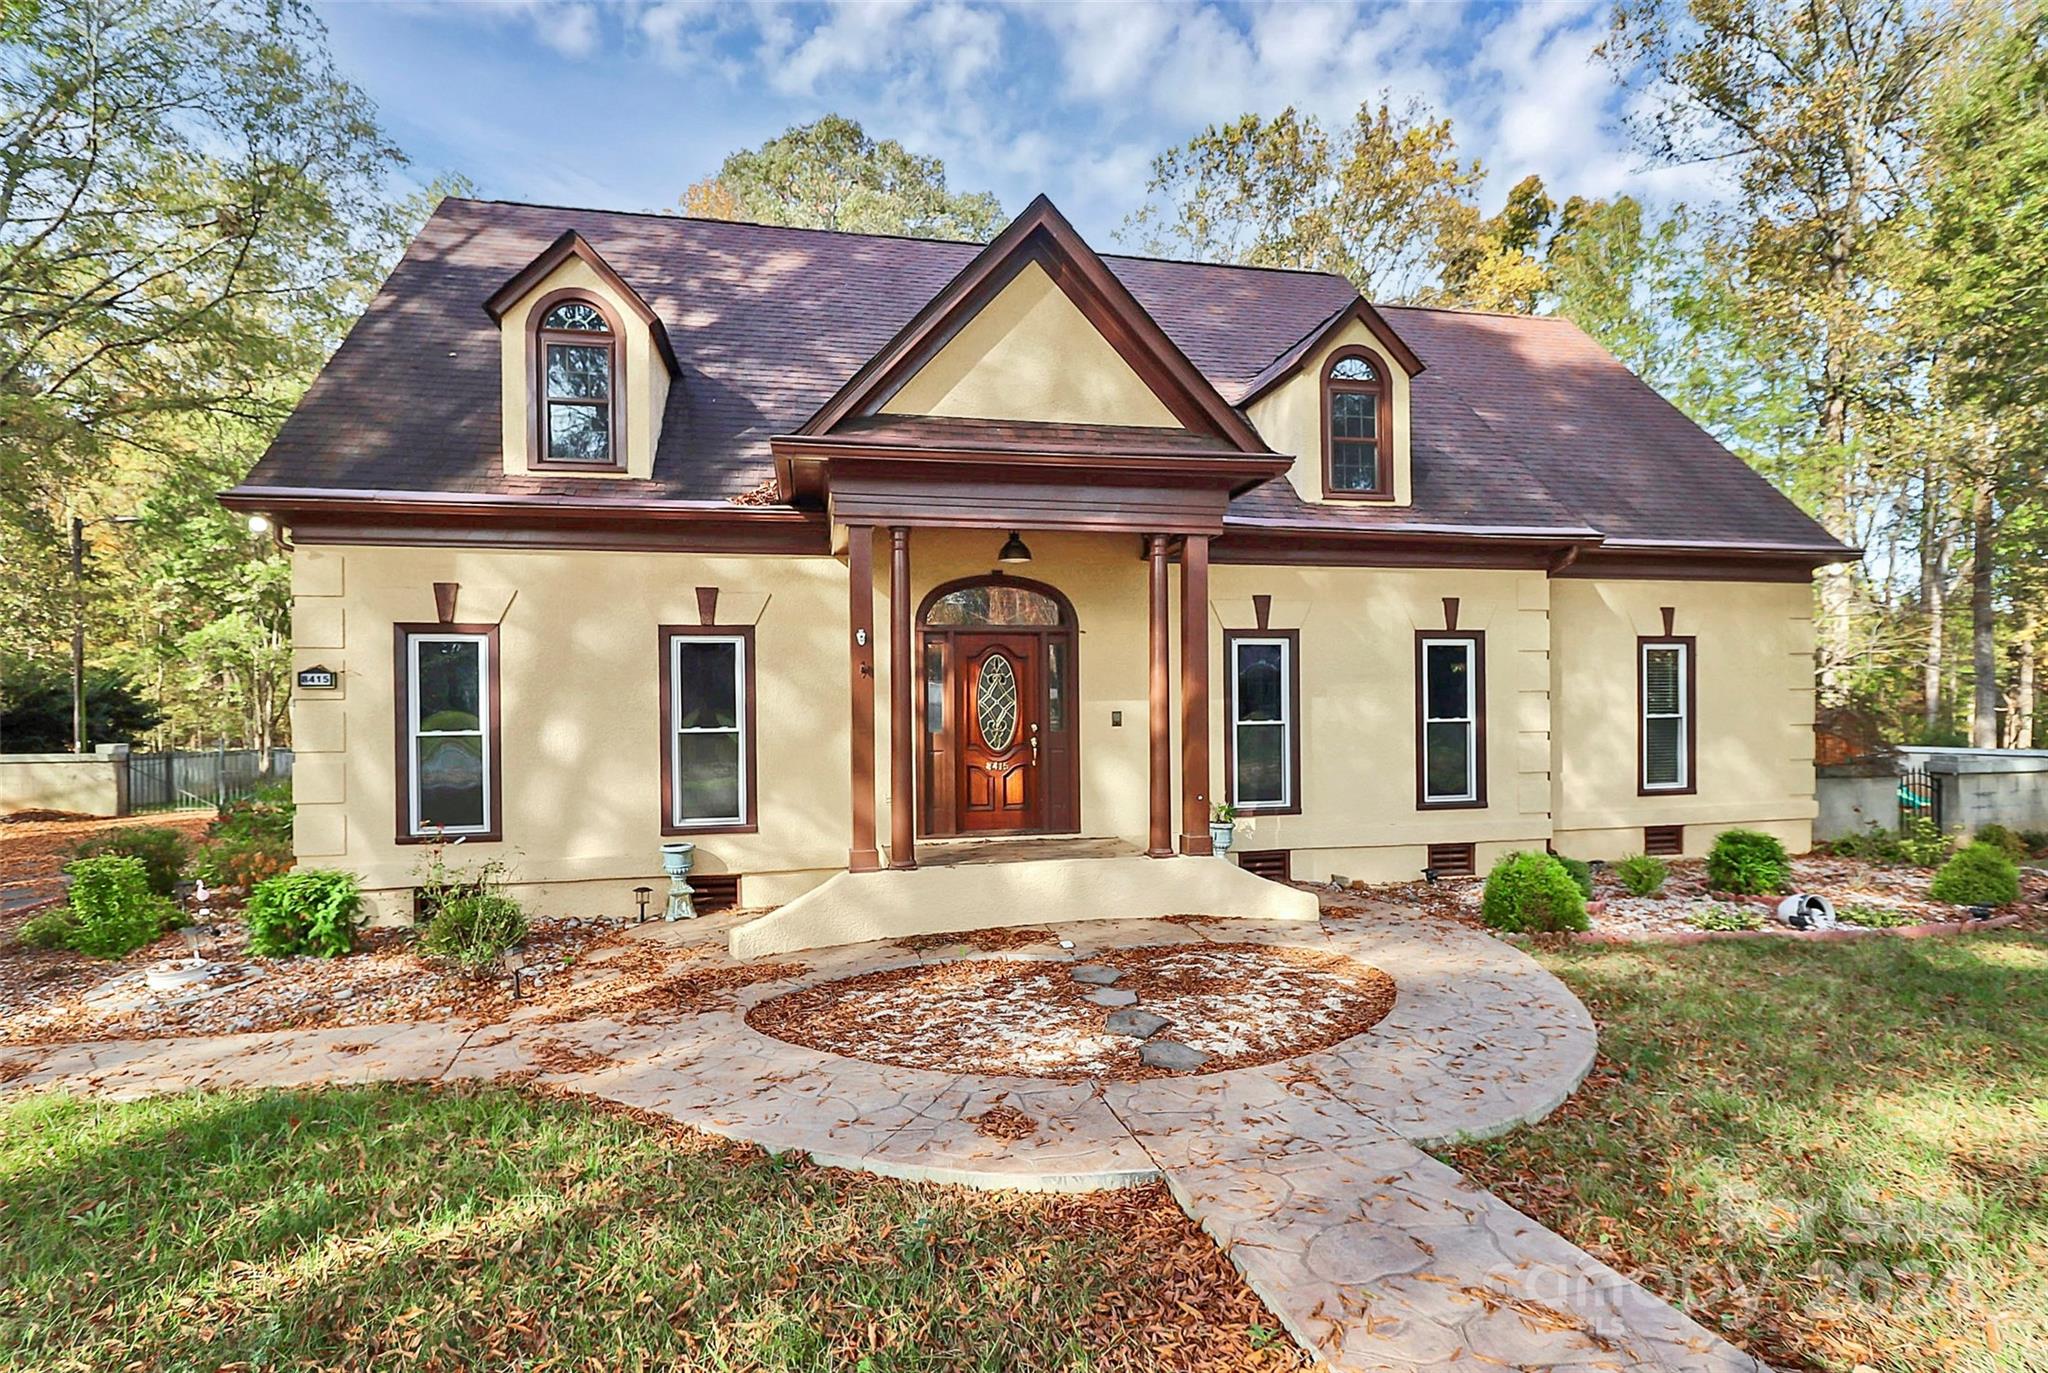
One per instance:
[(1355, 428), (577, 389)]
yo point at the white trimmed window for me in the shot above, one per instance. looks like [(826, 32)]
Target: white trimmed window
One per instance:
[(1264, 762), (1449, 675), (1665, 669), (450, 782), (708, 715)]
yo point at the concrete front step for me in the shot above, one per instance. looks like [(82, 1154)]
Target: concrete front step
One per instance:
[(855, 907)]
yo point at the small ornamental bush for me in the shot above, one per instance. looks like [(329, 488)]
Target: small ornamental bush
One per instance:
[(1582, 874), (1922, 844), (1999, 837), (1979, 875), (50, 930), (1878, 917), (1532, 892), (1642, 874), (2035, 840), (1747, 862), (310, 912), (1872, 845), (474, 929), (1728, 918), (115, 911), (163, 853)]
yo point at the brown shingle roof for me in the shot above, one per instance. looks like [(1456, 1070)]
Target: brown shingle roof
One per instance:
[(1518, 422)]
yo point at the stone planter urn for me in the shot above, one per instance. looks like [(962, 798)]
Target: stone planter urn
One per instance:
[(677, 860), (1222, 834)]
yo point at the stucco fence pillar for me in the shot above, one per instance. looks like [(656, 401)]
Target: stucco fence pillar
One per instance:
[(93, 783)]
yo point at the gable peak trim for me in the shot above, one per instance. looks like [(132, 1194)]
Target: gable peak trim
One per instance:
[(1042, 235)]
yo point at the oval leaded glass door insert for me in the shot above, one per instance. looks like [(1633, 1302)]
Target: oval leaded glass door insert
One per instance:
[(995, 703)]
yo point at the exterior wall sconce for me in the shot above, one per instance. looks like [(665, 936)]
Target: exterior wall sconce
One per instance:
[(1014, 550)]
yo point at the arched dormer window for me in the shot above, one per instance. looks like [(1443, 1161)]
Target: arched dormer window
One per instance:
[(1356, 425), (576, 383)]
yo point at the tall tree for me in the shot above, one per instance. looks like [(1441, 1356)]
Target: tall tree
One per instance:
[(1378, 201), (830, 175), (1496, 263), (1816, 108), (193, 204)]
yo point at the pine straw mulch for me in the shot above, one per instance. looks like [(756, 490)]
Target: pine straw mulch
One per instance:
[(999, 940), (641, 982), (1244, 1004), (386, 980), (1172, 1303), (1006, 1123)]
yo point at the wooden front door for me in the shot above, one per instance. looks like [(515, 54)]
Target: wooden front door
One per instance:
[(998, 695)]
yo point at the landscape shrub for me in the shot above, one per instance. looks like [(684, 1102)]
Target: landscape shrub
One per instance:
[(51, 930), (1979, 875), (1642, 874), (1582, 874), (1728, 918), (2035, 840), (250, 840), (1878, 917), (1872, 845), (162, 852), (114, 909), (309, 912), (1532, 892), (1922, 844), (1998, 836), (1748, 862), (474, 929)]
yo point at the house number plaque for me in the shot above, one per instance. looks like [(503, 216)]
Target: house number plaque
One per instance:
[(318, 679)]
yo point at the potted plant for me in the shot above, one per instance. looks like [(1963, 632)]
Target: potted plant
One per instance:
[(1222, 826)]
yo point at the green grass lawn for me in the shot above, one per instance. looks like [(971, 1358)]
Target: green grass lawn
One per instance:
[(1836, 1154), (396, 1227)]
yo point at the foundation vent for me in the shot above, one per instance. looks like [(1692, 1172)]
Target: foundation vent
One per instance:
[(1271, 864), (1664, 841), (716, 891), (1453, 860)]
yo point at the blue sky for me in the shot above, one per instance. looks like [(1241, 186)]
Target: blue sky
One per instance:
[(623, 105)]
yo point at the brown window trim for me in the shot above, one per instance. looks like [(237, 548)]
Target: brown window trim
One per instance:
[(1690, 643), (1383, 443), (1477, 638), (537, 340), (666, 636), (1293, 638), (401, 695)]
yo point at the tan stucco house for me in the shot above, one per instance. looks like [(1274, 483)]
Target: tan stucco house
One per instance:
[(837, 553)]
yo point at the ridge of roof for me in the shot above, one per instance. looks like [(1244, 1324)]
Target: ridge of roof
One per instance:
[(675, 218)]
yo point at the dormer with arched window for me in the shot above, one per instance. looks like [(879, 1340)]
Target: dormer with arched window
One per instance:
[(586, 366), (1339, 402)]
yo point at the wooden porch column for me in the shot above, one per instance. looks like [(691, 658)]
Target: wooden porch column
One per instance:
[(1161, 840), (1194, 695), (902, 720), (860, 582)]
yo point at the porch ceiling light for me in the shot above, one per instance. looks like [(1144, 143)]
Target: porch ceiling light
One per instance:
[(1014, 550)]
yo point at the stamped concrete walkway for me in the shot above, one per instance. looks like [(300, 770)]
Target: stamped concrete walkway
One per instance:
[(1309, 1173)]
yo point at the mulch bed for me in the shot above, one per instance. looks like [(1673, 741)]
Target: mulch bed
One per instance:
[(1244, 1004)]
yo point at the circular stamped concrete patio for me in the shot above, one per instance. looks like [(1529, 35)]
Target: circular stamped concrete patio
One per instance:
[(1307, 1170)]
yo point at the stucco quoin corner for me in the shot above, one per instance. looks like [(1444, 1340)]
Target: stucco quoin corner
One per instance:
[(853, 908)]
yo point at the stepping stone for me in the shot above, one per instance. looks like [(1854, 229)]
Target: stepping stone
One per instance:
[(1171, 1055), (1111, 996), (1094, 974), (1135, 1023)]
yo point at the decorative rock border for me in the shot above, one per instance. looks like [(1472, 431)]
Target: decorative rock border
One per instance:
[(1932, 929)]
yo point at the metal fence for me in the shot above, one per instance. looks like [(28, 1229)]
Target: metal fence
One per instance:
[(198, 779), (1919, 794)]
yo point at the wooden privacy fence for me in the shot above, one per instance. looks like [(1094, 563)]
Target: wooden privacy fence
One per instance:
[(196, 779)]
